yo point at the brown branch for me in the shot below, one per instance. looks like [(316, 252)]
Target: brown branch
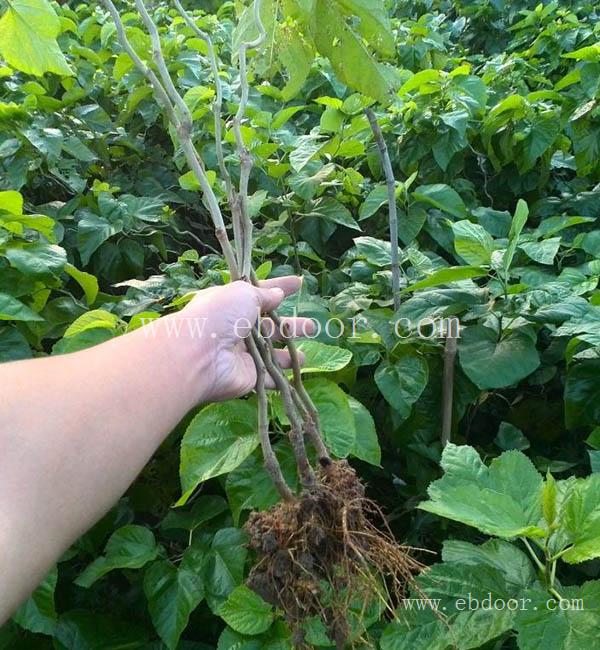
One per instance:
[(296, 434), (312, 421), (271, 463)]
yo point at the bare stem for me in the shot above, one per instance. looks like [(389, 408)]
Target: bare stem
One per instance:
[(246, 162), (312, 422), (218, 103), (303, 402), (448, 386), (166, 97), (160, 94), (307, 476), (271, 463), (184, 116), (393, 209)]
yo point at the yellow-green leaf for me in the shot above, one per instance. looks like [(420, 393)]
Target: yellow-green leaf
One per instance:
[(28, 32)]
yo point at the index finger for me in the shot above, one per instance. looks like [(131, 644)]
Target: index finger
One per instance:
[(289, 284)]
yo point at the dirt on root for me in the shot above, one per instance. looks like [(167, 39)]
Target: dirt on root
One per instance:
[(331, 539)]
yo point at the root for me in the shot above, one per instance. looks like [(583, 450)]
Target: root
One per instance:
[(322, 554)]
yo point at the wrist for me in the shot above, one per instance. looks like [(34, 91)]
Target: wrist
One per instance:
[(185, 346)]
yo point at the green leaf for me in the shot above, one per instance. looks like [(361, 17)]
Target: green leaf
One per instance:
[(204, 508), (284, 115), (336, 40), (217, 441), (543, 251), (377, 197), (332, 210), (38, 613), (297, 56), (366, 447), (411, 223), (249, 486), (320, 357), (97, 318), (87, 281), (549, 496), (593, 440), (545, 625), (446, 276), (246, 612), (582, 394), (337, 419), (12, 202), (472, 242), (510, 437), (594, 461), (306, 147), (442, 197), (28, 31), (129, 547), (401, 382), (376, 251), (416, 631), (220, 560), (85, 630), (92, 232), (579, 518), (374, 23), (454, 601), (13, 309), (424, 80), (588, 53), (517, 225), (13, 345), (514, 564), (544, 131), (38, 260), (276, 638), (40, 222), (83, 340), (492, 363), (188, 181), (509, 493), (172, 594)]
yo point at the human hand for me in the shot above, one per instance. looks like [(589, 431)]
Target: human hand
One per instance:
[(223, 317)]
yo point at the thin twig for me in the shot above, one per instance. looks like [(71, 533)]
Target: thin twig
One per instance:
[(386, 163)]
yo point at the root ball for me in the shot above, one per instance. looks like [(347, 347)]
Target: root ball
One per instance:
[(328, 547)]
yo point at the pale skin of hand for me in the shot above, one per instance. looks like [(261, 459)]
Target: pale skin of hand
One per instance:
[(76, 429)]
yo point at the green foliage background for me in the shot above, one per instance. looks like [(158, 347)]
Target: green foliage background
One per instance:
[(493, 127)]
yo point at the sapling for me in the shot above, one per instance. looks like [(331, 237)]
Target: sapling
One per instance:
[(325, 535)]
